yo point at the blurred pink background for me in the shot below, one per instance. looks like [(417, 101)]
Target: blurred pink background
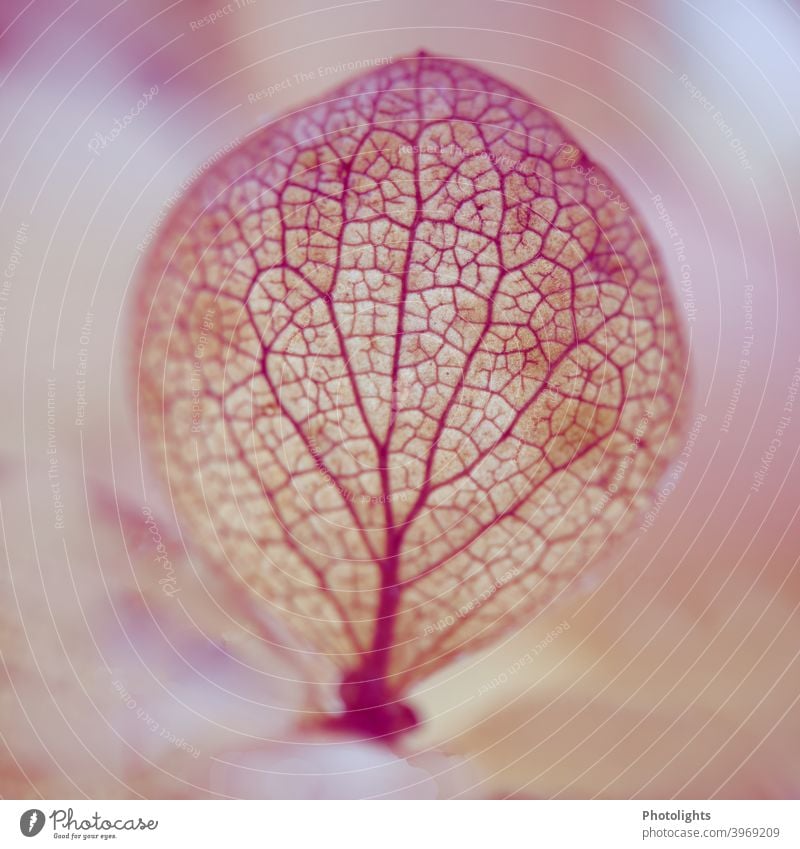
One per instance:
[(678, 674)]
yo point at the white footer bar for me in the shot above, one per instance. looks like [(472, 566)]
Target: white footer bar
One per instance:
[(402, 825)]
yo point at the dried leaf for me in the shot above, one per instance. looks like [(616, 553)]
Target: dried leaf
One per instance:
[(410, 363)]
